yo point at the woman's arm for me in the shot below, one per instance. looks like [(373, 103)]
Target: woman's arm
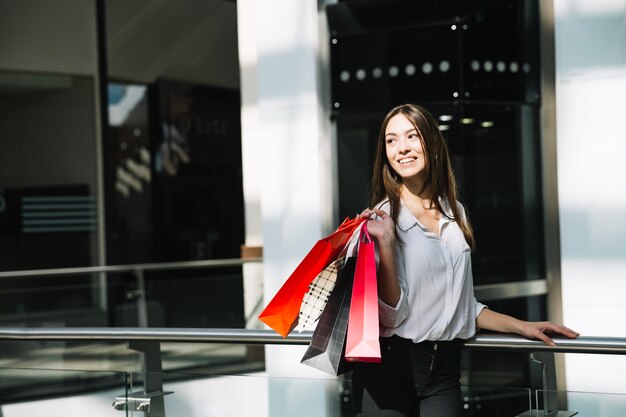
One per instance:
[(491, 320)]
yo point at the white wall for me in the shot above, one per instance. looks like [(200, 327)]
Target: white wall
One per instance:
[(185, 40), (47, 111), (591, 159), (35, 36), (285, 164)]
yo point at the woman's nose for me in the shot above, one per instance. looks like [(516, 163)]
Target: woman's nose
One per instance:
[(404, 145)]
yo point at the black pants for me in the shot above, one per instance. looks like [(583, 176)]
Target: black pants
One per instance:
[(413, 379)]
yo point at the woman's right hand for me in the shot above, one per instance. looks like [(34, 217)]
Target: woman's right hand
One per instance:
[(382, 227)]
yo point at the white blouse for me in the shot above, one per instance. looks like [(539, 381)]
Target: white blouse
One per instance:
[(435, 275)]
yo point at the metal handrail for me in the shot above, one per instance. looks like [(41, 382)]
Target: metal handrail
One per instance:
[(485, 292), (161, 266), (487, 341)]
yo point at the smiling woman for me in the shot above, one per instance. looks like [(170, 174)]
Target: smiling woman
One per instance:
[(411, 151), (425, 286)]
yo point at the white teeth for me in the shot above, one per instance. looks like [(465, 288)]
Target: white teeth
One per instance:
[(406, 160)]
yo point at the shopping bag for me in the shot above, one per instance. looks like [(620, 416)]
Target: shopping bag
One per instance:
[(281, 313), (318, 294), (327, 348), (362, 342), (322, 286)]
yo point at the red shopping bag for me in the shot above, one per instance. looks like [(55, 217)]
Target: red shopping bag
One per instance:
[(281, 314), (362, 343)]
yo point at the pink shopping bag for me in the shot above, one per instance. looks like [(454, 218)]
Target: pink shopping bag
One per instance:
[(362, 344)]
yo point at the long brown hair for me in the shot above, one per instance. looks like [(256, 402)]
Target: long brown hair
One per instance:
[(439, 178)]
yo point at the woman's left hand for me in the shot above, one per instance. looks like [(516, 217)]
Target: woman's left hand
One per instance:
[(538, 330)]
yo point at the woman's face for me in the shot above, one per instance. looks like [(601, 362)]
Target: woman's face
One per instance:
[(404, 148)]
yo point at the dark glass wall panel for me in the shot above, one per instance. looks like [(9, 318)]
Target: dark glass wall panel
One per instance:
[(174, 181), (491, 151), (199, 298), (198, 198), (176, 167), (176, 171), (131, 174), (380, 68), (356, 139), (182, 298), (500, 52), (386, 53)]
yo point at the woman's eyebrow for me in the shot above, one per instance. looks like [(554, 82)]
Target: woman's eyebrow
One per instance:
[(406, 132)]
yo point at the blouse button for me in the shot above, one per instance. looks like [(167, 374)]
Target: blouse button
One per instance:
[(435, 346)]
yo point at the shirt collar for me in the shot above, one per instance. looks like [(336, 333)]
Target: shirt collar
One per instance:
[(406, 220)]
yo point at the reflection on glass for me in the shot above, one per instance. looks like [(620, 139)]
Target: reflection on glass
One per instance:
[(33, 371), (570, 403), (48, 392), (130, 174), (48, 197), (48, 175), (198, 201)]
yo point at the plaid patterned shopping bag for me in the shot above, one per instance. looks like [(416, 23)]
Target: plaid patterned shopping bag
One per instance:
[(318, 294), (327, 348)]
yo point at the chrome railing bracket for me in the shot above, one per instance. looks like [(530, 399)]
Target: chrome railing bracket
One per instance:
[(141, 401)]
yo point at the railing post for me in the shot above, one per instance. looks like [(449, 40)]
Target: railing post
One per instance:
[(140, 292), (150, 400), (548, 384), (550, 402)]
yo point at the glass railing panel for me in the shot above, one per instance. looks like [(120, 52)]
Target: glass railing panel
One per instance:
[(77, 393), (253, 394), (183, 297), (195, 393), (571, 403), (94, 357), (212, 358), (102, 357), (487, 401), (187, 295)]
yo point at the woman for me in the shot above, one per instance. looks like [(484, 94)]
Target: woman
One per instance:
[(426, 299)]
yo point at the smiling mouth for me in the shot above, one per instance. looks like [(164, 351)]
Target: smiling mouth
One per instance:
[(404, 161)]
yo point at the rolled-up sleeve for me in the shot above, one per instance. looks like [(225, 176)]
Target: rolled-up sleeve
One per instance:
[(392, 317), (478, 307)]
